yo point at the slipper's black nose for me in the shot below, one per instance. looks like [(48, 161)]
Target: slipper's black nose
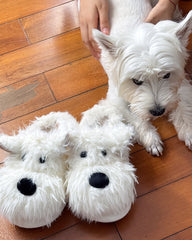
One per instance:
[(26, 186), (99, 180)]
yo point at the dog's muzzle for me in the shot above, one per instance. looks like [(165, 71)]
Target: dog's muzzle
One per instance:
[(99, 180), (26, 186)]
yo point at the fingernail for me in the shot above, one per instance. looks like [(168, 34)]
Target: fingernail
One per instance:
[(105, 31)]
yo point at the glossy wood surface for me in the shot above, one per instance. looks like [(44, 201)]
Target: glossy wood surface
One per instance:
[(45, 67)]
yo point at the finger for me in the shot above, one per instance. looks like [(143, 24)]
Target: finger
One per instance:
[(95, 54), (96, 50), (84, 34), (104, 18), (93, 45)]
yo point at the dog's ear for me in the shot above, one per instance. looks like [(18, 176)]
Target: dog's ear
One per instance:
[(105, 42), (184, 29), (10, 144)]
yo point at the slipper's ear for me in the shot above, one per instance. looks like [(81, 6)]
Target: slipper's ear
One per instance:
[(54, 121), (61, 127), (10, 144), (125, 134), (184, 29)]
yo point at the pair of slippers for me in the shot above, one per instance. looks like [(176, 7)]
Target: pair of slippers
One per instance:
[(57, 161)]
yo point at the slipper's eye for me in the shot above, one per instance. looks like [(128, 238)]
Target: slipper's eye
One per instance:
[(83, 154), (104, 153), (137, 82), (166, 76), (42, 159)]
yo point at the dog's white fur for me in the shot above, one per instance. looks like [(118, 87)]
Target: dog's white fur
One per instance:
[(106, 137), (45, 139), (153, 56)]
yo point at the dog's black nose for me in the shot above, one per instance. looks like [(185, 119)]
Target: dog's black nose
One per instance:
[(98, 180), (26, 186), (158, 111)]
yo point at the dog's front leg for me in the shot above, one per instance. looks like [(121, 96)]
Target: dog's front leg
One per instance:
[(147, 135), (182, 115)]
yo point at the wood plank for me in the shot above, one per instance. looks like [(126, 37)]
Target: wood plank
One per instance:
[(11, 9), (86, 231), (164, 127), (74, 106), (75, 78), (189, 46), (12, 37), (188, 67), (41, 57), (155, 172), (183, 235), (24, 97), (185, 6), (159, 214), (10, 232), (51, 22)]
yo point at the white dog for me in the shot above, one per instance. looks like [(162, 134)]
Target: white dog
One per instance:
[(145, 66)]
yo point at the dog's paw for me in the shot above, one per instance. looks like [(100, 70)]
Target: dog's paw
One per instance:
[(156, 149), (147, 135), (153, 144), (186, 136)]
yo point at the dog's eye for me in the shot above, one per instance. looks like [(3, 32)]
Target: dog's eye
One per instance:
[(42, 159), (83, 154), (104, 153), (23, 157), (137, 82), (166, 76)]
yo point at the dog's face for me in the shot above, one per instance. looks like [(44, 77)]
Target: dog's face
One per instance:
[(147, 65)]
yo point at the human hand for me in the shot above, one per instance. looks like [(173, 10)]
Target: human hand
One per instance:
[(163, 10), (93, 14)]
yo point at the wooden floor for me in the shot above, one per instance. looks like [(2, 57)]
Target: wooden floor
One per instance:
[(45, 67)]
